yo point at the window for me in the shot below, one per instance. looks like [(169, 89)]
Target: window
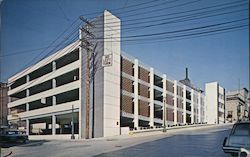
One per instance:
[(229, 114), (242, 129)]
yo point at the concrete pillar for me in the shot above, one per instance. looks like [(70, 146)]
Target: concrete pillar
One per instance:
[(53, 124), (53, 66), (27, 92), (175, 102), (164, 94), (151, 116), (199, 107), (184, 104), (53, 100), (53, 83), (27, 107), (205, 109), (192, 106), (27, 78), (136, 101), (27, 126)]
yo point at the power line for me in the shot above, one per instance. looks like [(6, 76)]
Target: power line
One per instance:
[(141, 42), (47, 48), (68, 49), (188, 15), (64, 14), (192, 33), (184, 18), (176, 31), (151, 6), (154, 10), (24, 51), (130, 6), (170, 22), (187, 19), (223, 5)]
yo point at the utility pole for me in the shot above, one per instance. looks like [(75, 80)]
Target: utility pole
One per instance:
[(238, 107), (87, 46), (93, 91)]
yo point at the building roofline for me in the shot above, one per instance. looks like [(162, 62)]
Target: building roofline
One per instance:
[(44, 61)]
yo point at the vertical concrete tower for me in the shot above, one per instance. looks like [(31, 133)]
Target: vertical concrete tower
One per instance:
[(107, 87)]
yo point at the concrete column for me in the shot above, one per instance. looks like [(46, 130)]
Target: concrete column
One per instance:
[(192, 106), (175, 102), (27, 78), (27, 126), (151, 116), (164, 94), (136, 101), (205, 108), (53, 66), (53, 124), (27, 107), (27, 92), (184, 104), (53, 83), (53, 100), (199, 107)]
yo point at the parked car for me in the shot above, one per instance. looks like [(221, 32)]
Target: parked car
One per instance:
[(238, 141), (14, 136)]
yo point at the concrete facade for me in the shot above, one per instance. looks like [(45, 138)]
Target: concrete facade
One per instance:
[(237, 105), (215, 103), (144, 90), (45, 97)]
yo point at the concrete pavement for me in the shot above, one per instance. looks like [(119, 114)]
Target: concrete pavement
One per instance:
[(198, 141)]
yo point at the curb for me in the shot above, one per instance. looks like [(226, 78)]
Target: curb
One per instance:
[(173, 128)]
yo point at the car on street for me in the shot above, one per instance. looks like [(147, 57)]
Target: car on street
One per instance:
[(238, 141), (13, 136)]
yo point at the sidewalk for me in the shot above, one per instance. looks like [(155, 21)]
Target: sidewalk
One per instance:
[(5, 152), (175, 129)]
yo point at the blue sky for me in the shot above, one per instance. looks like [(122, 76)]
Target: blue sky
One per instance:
[(34, 24)]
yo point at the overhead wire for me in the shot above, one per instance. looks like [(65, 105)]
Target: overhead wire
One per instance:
[(134, 10), (183, 19), (176, 31), (223, 5), (44, 50)]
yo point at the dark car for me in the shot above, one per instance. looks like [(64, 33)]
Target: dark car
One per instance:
[(238, 141), (14, 136)]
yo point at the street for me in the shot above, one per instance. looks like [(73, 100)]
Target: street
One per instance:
[(189, 142)]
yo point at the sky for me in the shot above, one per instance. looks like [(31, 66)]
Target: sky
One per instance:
[(34, 24)]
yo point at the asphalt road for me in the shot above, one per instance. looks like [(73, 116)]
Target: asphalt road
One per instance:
[(192, 142)]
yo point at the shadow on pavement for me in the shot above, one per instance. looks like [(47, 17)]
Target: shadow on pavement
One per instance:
[(180, 145), (29, 144)]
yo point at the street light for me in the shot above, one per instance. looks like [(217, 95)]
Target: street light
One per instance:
[(72, 123), (164, 114)]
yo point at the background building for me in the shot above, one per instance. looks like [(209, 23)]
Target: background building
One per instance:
[(3, 105), (237, 105), (215, 103), (48, 95)]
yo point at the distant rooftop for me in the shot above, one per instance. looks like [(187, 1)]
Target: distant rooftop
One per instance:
[(188, 83)]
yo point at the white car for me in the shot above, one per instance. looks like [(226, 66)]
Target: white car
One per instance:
[(238, 141)]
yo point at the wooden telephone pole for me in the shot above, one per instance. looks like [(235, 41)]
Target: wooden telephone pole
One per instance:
[(87, 45)]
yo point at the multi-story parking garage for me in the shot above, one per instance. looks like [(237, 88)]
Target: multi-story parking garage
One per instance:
[(46, 97), (144, 92)]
